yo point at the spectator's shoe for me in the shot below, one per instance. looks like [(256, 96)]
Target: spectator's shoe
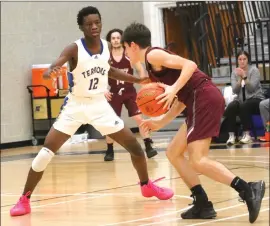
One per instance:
[(150, 190), (254, 201), (265, 138), (231, 140), (22, 207), (246, 139)]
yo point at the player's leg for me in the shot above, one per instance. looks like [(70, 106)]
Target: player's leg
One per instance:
[(134, 112), (59, 133), (127, 139), (205, 124), (251, 193), (108, 123), (116, 103), (175, 153)]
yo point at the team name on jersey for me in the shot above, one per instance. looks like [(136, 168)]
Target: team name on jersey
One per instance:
[(94, 70)]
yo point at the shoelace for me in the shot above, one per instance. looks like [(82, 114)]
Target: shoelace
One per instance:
[(193, 203), (25, 196), (154, 181)]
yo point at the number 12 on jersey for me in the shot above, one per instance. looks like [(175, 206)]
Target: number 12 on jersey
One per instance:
[(93, 83)]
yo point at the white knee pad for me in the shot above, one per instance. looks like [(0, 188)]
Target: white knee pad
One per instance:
[(41, 161)]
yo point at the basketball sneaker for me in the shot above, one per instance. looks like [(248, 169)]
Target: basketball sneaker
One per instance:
[(149, 190), (254, 201), (200, 210), (149, 150), (22, 207), (109, 155)]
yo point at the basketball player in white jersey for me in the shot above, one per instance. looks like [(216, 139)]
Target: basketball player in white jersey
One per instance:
[(124, 93), (86, 104)]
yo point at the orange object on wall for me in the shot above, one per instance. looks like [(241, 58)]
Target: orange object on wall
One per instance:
[(52, 84)]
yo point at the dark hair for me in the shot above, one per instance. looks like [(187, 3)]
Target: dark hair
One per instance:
[(243, 52), (108, 36), (85, 12), (137, 33)]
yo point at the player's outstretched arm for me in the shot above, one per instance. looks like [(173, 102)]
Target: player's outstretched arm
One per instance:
[(64, 57), (117, 74)]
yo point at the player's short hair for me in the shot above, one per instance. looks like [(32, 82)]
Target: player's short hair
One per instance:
[(108, 36), (85, 12), (137, 33)]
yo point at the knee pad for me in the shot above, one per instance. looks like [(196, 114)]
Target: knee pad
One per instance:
[(41, 161)]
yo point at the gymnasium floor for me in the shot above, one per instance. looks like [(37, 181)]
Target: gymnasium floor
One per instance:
[(79, 189)]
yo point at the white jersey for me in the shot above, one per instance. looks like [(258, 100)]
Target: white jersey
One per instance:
[(90, 77)]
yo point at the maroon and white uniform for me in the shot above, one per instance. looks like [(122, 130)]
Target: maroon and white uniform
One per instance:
[(204, 102), (123, 93)]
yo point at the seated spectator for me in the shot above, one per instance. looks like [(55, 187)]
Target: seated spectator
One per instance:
[(265, 111), (245, 81)]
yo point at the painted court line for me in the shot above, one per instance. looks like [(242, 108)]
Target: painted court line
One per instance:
[(57, 203), (155, 216), (226, 218), (218, 210), (235, 160)]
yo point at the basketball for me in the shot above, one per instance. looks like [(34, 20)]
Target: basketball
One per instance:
[(146, 100)]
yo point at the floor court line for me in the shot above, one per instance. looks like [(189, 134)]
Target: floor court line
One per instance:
[(57, 203), (92, 197), (226, 218), (218, 210), (236, 160)]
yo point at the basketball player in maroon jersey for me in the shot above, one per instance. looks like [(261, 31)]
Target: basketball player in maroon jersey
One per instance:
[(124, 93), (205, 106)]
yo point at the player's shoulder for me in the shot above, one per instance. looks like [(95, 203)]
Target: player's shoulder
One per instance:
[(156, 53), (71, 49)]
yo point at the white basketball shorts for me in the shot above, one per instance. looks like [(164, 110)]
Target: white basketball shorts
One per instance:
[(87, 110)]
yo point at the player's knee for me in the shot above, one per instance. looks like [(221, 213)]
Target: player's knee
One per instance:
[(41, 161), (172, 153), (197, 163)]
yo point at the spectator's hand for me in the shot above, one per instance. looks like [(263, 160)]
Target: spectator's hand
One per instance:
[(240, 72), (108, 95)]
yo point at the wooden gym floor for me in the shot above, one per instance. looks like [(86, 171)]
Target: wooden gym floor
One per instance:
[(79, 189)]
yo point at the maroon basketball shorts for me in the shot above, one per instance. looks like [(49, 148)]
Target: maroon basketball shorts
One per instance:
[(204, 113), (128, 99)]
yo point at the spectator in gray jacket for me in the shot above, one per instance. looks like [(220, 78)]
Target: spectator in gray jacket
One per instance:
[(245, 81)]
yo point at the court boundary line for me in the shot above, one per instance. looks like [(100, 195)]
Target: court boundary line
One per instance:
[(125, 186), (207, 222)]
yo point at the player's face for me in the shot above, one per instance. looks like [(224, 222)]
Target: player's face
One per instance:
[(243, 61), (116, 40), (133, 52), (91, 26)]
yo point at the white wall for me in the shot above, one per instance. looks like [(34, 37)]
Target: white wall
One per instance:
[(36, 33)]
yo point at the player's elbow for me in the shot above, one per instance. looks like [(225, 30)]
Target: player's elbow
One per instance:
[(192, 65)]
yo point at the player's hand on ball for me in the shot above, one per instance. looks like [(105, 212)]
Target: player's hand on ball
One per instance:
[(108, 95), (167, 97), (149, 125)]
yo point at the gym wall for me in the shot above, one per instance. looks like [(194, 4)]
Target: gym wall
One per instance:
[(36, 33)]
